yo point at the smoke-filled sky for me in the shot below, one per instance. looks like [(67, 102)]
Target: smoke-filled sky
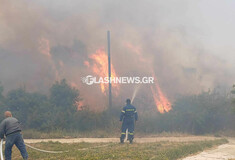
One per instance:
[(189, 45)]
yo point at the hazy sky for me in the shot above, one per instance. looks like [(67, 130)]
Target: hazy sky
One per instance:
[(190, 43), (209, 22)]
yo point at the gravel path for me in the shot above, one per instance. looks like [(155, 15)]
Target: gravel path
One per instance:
[(116, 140), (222, 152)]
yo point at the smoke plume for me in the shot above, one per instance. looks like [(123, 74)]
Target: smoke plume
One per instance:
[(45, 41)]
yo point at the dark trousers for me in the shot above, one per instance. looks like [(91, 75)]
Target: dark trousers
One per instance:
[(130, 126), (15, 138)]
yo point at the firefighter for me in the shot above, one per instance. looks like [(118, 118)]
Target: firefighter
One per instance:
[(10, 127), (128, 117)]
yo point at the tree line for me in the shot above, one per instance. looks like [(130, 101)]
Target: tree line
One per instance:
[(207, 112)]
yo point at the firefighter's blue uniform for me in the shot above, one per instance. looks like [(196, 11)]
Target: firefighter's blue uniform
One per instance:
[(128, 117)]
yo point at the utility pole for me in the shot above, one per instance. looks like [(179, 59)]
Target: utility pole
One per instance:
[(109, 67)]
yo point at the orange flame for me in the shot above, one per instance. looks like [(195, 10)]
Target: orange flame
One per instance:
[(80, 105), (100, 68), (161, 101), (45, 49)]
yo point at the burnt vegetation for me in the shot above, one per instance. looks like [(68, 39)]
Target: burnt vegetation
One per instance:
[(207, 112)]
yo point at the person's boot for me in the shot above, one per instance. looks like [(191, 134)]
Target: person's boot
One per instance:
[(121, 140), (131, 140)]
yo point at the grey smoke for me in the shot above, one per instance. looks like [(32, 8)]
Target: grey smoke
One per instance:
[(190, 44)]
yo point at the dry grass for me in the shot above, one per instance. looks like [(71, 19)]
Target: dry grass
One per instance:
[(156, 151)]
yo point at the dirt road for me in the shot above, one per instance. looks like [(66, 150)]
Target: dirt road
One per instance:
[(222, 152), (116, 140)]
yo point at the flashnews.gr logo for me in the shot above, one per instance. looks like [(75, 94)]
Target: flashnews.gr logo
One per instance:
[(89, 80)]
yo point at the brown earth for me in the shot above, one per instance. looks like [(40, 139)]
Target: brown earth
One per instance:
[(116, 140)]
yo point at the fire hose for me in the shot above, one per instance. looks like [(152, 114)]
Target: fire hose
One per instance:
[(40, 150), (1, 149)]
